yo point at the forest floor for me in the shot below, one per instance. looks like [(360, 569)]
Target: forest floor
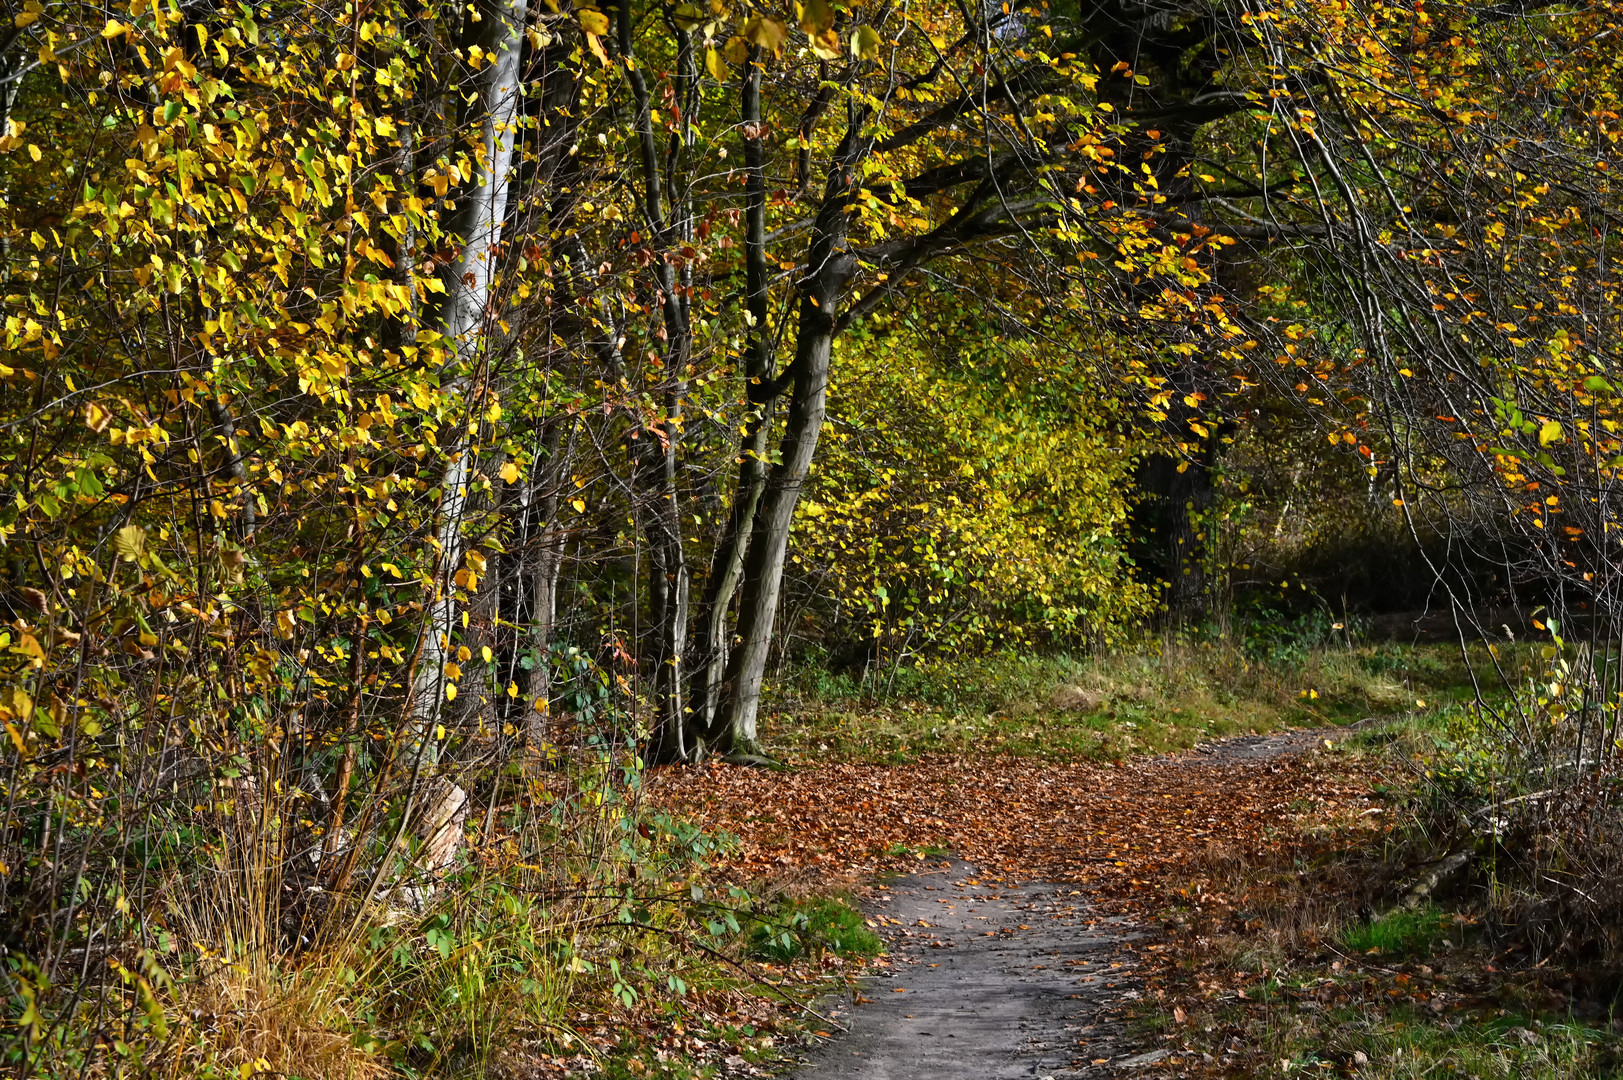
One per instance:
[(1020, 898), (1208, 911)]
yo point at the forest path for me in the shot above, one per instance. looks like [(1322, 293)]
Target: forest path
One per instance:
[(1017, 895), (986, 982)]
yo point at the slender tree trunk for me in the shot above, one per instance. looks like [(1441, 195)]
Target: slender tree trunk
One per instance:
[(545, 563), (726, 574), (727, 570), (828, 269), (463, 320), (668, 567)]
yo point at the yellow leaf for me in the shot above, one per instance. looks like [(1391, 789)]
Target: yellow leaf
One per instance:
[(1551, 432), (476, 560), (450, 691), (826, 45), (767, 32), (579, 505), (113, 29), (736, 51), (509, 472), (712, 64), (130, 542), (816, 17), (593, 22), (29, 646), (97, 417), (485, 654), (865, 42), (453, 670), (687, 16), (19, 704), (26, 18)]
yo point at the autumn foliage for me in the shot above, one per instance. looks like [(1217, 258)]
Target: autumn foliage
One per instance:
[(418, 419)]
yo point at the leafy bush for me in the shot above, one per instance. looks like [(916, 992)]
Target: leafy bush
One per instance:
[(808, 927)]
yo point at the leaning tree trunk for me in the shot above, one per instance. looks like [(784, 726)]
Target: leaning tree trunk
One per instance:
[(829, 265)]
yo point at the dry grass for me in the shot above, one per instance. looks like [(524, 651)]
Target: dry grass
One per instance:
[(266, 1019)]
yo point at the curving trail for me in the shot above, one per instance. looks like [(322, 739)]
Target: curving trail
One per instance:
[(1015, 955)]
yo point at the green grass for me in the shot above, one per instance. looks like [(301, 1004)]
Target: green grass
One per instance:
[(1408, 1044), (1402, 933), (1101, 707)]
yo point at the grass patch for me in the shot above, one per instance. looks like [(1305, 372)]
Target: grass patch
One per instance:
[(1100, 708), (1402, 933), (795, 929)]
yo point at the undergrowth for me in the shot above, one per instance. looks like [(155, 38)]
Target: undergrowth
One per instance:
[(1324, 956), (809, 927), (1164, 698), (581, 932)]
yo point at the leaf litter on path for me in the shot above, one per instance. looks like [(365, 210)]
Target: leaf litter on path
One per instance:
[(1116, 837), (1114, 828)]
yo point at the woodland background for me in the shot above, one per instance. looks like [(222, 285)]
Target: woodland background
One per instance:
[(422, 419)]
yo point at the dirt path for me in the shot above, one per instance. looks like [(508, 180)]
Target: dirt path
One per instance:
[(987, 982), (1013, 955)]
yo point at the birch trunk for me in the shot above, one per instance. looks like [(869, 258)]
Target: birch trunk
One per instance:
[(464, 320)]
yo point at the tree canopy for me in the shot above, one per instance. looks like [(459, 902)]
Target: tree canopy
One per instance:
[(396, 390)]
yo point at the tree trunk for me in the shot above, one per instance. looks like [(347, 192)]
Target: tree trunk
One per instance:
[(727, 570), (462, 319), (670, 574), (545, 564), (829, 267), (726, 574)]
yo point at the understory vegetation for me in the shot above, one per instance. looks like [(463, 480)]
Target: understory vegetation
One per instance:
[(425, 425), (1158, 697), (1455, 929)]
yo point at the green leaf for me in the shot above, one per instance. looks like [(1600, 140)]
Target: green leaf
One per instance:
[(865, 42)]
